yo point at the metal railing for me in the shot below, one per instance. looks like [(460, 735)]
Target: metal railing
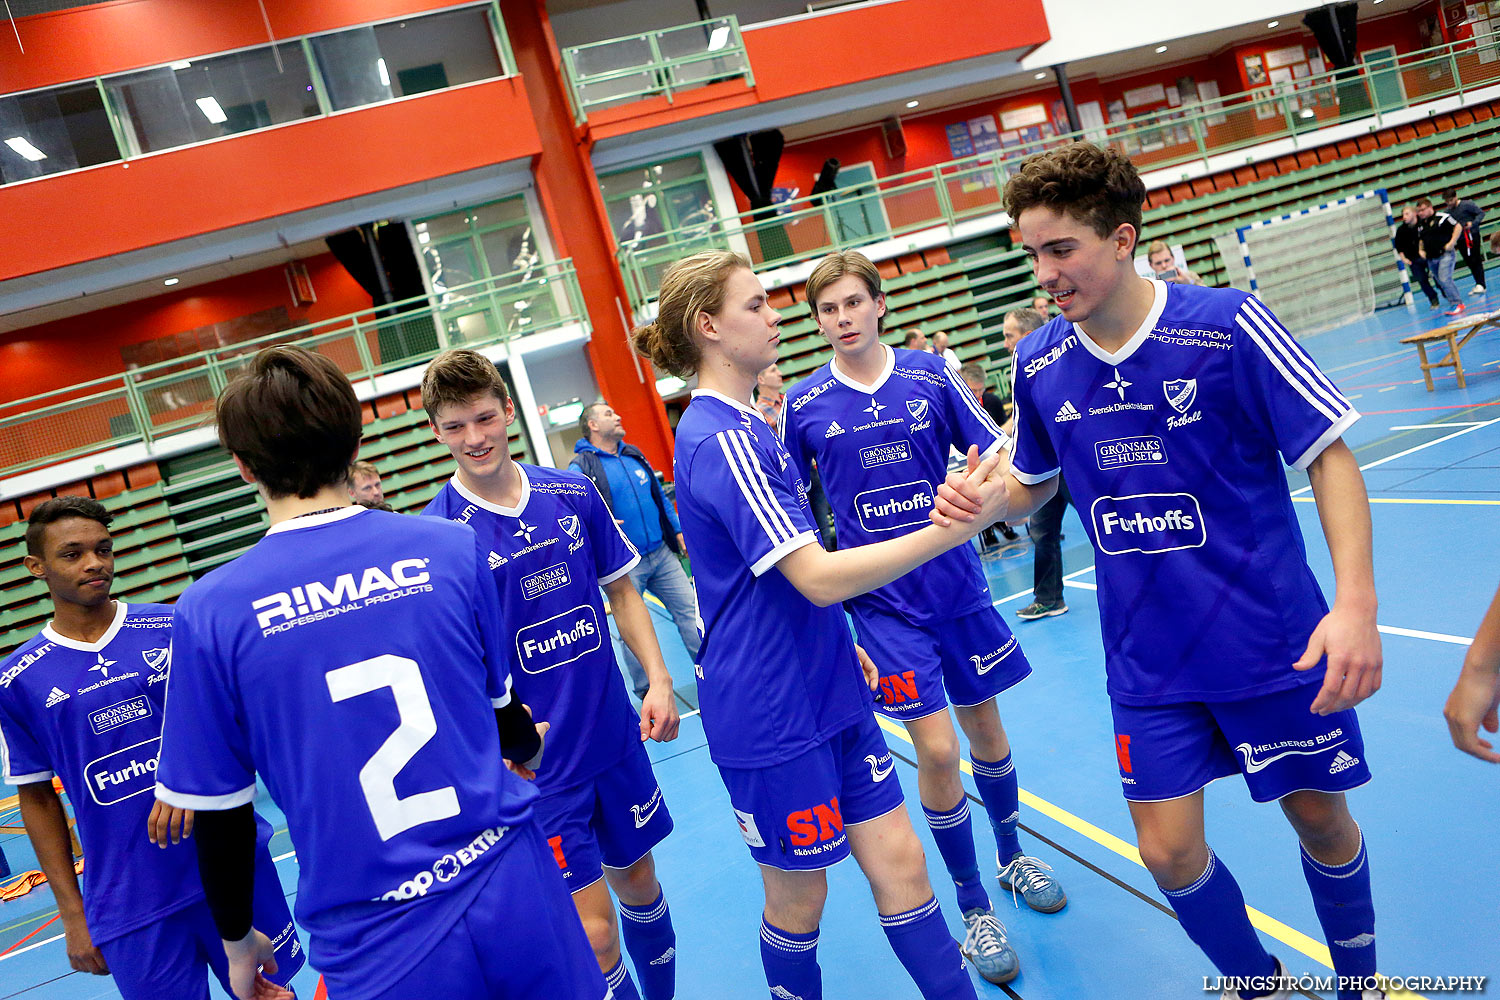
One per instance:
[(143, 404), (655, 63), (950, 192)]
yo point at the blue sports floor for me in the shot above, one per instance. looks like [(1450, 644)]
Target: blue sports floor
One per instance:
[(1430, 816)]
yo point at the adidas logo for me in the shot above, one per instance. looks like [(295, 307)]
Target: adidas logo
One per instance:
[(1358, 941), (834, 430), (1342, 763), (496, 561), (665, 957), (1067, 412), (57, 697)]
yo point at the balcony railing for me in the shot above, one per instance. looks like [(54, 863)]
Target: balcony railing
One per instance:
[(655, 63), (144, 404), (203, 98), (951, 192)]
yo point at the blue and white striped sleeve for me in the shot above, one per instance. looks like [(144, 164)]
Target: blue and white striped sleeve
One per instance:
[(1297, 403), (752, 497)]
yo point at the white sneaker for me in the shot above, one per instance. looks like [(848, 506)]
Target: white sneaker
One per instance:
[(1477, 290), (1282, 992)]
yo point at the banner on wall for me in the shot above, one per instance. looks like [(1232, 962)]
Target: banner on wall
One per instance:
[(959, 144)]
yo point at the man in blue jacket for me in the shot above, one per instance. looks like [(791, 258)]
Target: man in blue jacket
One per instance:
[(629, 486)]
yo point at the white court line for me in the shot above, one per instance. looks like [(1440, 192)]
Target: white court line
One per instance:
[(1412, 633), (1443, 426), (1403, 454), (1378, 357), (282, 857), (36, 944), (1025, 593)]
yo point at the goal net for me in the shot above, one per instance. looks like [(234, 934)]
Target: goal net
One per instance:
[(1322, 266)]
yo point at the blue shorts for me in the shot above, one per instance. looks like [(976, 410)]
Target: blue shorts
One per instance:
[(171, 956), (519, 938), (1168, 751), (612, 820), (973, 656), (792, 815)]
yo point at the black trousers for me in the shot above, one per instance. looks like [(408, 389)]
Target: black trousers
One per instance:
[(1045, 528), (1472, 251)]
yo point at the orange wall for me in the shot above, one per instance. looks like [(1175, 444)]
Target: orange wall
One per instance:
[(127, 34), (68, 351), (261, 175)]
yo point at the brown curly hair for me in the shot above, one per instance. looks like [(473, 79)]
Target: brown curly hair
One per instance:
[(1097, 186), (692, 286)]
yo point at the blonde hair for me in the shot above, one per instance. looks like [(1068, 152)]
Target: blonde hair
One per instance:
[(1156, 247), (363, 468), (835, 266), (691, 287)]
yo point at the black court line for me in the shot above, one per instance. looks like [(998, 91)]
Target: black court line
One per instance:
[(1138, 894), (37, 986)]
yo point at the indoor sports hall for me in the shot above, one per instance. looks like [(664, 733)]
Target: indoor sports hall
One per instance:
[(381, 181)]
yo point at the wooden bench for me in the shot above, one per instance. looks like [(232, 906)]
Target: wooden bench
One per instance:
[(1456, 335)]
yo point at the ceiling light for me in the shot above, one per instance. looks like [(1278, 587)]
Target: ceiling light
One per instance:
[(912, 104), (182, 64), (1272, 24), (385, 76), (171, 281), (211, 110), (719, 38), (26, 149), (1160, 49), (1040, 76)]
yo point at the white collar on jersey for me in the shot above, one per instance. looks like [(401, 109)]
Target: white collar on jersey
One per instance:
[(1136, 339), (873, 387), (490, 505), (89, 647), (313, 520), (715, 394)]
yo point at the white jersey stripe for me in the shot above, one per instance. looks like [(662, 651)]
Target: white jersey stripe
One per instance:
[(1296, 362), (1275, 326), (1301, 381), (757, 492), (965, 394)]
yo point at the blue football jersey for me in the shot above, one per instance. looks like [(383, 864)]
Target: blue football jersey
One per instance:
[(882, 452), (548, 557), (354, 660), (91, 713), (1172, 449), (777, 674)]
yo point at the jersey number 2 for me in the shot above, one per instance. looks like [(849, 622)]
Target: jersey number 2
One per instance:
[(393, 813)]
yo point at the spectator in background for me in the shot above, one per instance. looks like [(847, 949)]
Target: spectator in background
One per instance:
[(1043, 306), (974, 377), (941, 349), (1045, 526), (1159, 256), (1440, 236), (629, 487), (1408, 244), (1468, 215), (915, 340), (769, 398), (364, 483)]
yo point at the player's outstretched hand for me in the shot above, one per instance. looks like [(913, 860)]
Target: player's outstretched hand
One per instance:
[(872, 673), (977, 496), (528, 769), (168, 824), (659, 716), (83, 954), (249, 958), (1474, 702), (1351, 642)]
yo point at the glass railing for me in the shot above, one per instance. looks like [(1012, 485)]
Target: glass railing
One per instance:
[(143, 404), (197, 100), (655, 63), (950, 192)]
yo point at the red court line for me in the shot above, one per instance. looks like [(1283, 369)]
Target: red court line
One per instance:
[(1426, 409), (30, 936)]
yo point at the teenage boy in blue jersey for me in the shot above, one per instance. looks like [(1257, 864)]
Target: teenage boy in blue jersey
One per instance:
[(83, 701), (552, 545), (357, 661), (1170, 409), (879, 423)]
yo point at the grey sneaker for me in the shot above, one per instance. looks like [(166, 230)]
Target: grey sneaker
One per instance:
[(986, 947), (1027, 876), (1036, 609)]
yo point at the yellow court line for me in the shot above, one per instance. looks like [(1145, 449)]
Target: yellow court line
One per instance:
[(1419, 500), (1289, 936)]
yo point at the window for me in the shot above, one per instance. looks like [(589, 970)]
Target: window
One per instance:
[(662, 204), (48, 131), (196, 100), (400, 58)]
